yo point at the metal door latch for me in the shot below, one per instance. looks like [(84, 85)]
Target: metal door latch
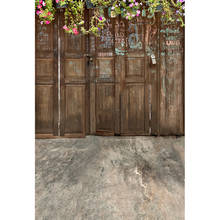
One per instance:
[(89, 57), (153, 58)]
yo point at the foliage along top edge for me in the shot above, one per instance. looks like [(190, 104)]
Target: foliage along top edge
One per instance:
[(172, 11)]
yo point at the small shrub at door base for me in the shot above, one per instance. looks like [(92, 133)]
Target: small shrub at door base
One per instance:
[(171, 11)]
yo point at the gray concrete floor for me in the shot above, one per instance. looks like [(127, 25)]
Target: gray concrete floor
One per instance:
[(110, 178)]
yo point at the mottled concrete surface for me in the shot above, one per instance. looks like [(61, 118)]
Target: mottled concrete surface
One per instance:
[(110, 178)]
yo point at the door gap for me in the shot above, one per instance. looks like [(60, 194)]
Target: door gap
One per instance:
[(59, 107)]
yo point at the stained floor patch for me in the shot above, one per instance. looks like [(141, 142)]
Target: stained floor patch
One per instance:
[(110, 178)]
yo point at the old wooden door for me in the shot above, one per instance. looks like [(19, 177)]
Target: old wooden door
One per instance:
[(118, 83), (102, 82), (46, 106), (108, 85), (73, 83), (134, 93)]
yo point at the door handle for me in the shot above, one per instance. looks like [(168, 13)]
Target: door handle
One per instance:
[(89, 58)]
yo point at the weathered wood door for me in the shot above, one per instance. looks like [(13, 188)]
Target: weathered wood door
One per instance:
[(102, 82), (73, 83), (134, 93), (118, 86), (108, 85), (46, 79)]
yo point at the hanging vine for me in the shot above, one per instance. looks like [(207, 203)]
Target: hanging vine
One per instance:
[(172, 11)]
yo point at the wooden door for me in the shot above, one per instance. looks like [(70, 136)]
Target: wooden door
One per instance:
[(171, 80), (46, 103), (119, 80), (134, 93), (102, 81), (73, 83), (108, 85)]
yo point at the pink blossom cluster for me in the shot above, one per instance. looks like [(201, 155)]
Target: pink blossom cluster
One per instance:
[(41, 11), (57, 1), (73, 30), (132, 5)]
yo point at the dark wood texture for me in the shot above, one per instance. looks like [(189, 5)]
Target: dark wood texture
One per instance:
[(72, 83), (152, 87), (103, 81), (109, 84), (134, 93), (171, 80), (46, 104)]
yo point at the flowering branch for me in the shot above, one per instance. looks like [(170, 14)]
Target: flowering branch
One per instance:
[(170, 10)]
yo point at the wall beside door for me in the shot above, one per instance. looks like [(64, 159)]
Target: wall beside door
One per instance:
[(110, 85)]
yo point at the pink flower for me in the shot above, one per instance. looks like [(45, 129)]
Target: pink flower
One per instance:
[(41, 22), (49, 13), (39, 6), (131, 5), (136, 3), (100, 18), (39, 12), (75, 31), (44, 4), (138, 12), (66, 28), (47, 22), (41, 1), (57, 1)]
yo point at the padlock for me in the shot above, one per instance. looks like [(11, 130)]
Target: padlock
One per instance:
[(153, 58)]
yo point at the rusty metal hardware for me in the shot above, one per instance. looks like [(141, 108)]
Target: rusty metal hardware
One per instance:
[(153, 58), (89, 57)]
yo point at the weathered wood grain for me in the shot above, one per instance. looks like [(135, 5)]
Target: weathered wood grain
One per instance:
[(109, 84), (46, 104), (171, 80), (73, 83)]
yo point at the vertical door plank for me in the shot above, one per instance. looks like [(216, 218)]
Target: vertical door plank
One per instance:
[(73, 83), (151, 47), (171, 78), (133, 93), (46, 80), (105, 80)]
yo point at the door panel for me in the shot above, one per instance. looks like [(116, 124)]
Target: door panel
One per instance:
[(75, 110), (105, 108), (44, 109), (102, 81), (171, 80), (73, 80), (134, 95), (133, 110), (46, 106)]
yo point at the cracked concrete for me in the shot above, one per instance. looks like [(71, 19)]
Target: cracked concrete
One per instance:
[(110, 178)]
